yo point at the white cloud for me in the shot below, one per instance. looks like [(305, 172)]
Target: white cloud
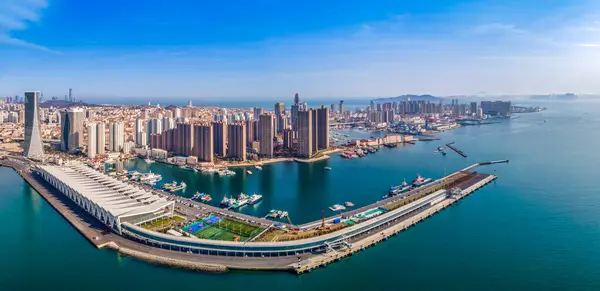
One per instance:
[(496, 29), (589, 45), (18, 15)]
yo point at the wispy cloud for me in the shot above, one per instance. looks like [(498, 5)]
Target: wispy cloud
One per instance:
[(497, 29), (19, 15), (588, 45)]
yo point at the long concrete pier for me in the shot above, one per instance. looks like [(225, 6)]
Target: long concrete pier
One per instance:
[(369, 233)]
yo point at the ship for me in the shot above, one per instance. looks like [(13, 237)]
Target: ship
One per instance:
[(150, 178), (254, 198), (174, 187), (404, 187), (337, 207), (241, 201), (420, 181)]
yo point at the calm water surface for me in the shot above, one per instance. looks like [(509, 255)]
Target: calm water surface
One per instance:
[(536, 228)]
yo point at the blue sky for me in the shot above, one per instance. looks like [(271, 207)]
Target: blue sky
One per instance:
[(272, 49)]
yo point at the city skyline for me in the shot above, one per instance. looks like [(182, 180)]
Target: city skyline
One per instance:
[(383, 50)]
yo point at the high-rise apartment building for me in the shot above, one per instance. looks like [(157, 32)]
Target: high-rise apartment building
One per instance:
[(71, 129), (116, 136), (236, 141), (322, 128), (305, 133), (220, 138), (138, 130), (92, 141), (267, 133), (279, 110), (203, 142), (100, 138)]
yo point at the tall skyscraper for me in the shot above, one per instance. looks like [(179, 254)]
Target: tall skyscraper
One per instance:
[(314, 131), (138, 131), (153, 126), (250, 131), (257, 112), (267, 133), (322, 128), (305, 134), (220, 138), (100, 138), (92, 140), (279, 109), (71, 129), (236, 141), (203, 142), (294, 111), (473, 108), (116, 136), (288, 138), (342, 107), (184, 136), (32, 146), (70, 94)]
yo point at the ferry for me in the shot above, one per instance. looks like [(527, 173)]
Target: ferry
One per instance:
[(349, 204), (258, 167), (327, 168), (337, 207), (420, 181), (254, 198), (404, 187)]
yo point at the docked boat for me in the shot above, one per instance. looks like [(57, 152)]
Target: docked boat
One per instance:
[(241, 201), (197, 195), (187, 168), (327, 168), (404, 187), (272, 213), (254, 198), (420, 181), (205, 198), (337, 207), (349, 204), (224, 202), (283, 214), (181, 186)]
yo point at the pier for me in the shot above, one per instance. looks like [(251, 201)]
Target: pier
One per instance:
[(450, 145), (298, 256)]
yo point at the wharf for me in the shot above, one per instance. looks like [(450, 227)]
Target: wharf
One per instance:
[(323, 260), (101, 237), (456, 150)]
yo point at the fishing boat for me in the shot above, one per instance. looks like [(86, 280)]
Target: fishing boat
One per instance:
[(205, 198)]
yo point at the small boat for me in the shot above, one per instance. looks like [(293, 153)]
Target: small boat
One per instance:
[(283, 214), (337, 207), (196, 196), (249, 172), (258, 167), (327, 168), (254, 198), (349, 204), (420, 181), (272, 213), (205, 198), (224, 202), (148, 161)]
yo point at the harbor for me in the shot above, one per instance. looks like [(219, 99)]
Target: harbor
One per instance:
[(391, 212)]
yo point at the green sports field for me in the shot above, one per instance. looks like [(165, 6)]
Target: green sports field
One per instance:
[(228, 229)]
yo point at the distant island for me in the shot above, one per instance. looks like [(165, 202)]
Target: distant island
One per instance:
[(410, 97), (567, 96)]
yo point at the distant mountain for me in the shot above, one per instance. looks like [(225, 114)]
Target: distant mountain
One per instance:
[(429, 98), (567, 96), (62, 104)]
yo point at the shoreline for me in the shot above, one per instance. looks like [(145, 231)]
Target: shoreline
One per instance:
[(101, 237)]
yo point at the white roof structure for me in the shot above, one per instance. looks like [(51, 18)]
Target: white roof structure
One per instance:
[(115, 197)]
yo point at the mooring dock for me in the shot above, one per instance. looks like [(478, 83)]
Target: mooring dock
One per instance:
[(450, 145)]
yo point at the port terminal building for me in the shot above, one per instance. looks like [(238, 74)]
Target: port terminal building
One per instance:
[(109, 200)]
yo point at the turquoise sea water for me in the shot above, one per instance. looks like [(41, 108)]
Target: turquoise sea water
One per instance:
[(535, 228)]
